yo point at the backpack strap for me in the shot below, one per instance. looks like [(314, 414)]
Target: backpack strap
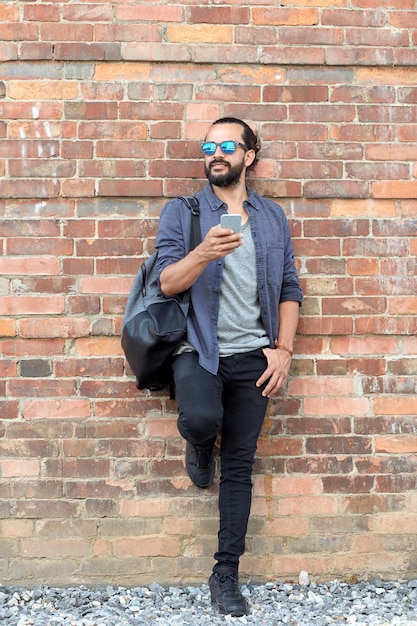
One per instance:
[(194, 206)]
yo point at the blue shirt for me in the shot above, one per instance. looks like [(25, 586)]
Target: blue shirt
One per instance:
[(276, 274)]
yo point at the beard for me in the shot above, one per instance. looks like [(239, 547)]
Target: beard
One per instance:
[(230, 179)]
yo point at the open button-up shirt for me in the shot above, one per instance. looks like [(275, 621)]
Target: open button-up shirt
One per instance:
[(276, 274)]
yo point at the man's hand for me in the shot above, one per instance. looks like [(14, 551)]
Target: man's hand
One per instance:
[(276, 373), (179, 276), (218, 243)]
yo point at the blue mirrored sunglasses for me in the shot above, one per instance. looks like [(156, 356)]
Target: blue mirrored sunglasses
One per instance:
[(227, 147)]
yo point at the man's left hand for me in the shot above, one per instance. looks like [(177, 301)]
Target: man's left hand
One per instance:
[(276, 373)]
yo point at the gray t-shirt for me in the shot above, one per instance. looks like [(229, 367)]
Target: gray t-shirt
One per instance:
[(239, 326)]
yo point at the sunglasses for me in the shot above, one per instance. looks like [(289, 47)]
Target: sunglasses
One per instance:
[(227, 147)]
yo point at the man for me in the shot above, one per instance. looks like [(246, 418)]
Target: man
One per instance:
[(245, 297)]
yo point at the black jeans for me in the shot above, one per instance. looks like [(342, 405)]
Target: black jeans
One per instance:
[(231, 403)]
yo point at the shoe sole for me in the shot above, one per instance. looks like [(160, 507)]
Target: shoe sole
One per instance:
[(223, 611)]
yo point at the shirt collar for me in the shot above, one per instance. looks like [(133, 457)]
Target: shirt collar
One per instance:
[(215, 202)]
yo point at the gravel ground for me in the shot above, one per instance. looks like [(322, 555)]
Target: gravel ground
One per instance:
[(376, 603)]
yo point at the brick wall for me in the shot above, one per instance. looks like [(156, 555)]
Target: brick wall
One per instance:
[(101, 109)]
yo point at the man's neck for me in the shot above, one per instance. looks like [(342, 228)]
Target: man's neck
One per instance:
[(234, 197)]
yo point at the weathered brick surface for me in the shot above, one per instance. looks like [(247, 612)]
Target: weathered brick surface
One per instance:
[(102, 109)]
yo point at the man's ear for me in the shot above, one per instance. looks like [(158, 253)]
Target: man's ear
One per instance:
[(249, 157)]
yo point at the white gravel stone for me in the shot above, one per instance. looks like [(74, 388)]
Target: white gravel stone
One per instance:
[(378, 603)]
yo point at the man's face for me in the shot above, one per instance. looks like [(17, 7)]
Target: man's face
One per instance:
[(226, 170)]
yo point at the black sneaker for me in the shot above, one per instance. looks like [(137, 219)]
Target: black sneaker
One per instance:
[(226, 596), (200, 466)]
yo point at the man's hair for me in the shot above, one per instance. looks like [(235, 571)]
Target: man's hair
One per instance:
[(251, 139)]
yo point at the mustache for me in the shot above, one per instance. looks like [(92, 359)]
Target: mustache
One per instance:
[(216, 161)]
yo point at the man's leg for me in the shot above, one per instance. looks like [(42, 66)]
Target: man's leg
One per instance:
[(244, 412), (200, 409)]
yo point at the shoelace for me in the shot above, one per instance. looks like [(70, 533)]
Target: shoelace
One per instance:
[(228, 584), (203, 460)]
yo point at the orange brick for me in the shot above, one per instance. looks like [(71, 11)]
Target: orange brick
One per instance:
[(39, 548), (158, 13), (22, 468), (106, 285), (71, 408), (394, 189), (144, 508), (48, 266), (16, 528), (98, 346), (386, 75), (336, 406), (146, 546), (296, 485), (31, 305), (304, 505), (369, 207), (330, 386), (199, 33), (162, 427), (54, 327), (396, 445), (283, 16), (395, 524), (371, 345), (45, 90), (395, 406), (122, 71), (7, 328)]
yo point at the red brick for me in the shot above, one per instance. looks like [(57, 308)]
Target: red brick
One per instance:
[(384, 325), (105, 247), (52, 388), (9, 408), (66, 32), (346, 445), (345, 484), (325, 464), (219, 15), (349, 17), (129, 149), (19, 32), (87, 13), (112, 169), (130, 187), (396, 484), (41, 509), (29, 189), (336, 189), (318, 426), (37, 245)]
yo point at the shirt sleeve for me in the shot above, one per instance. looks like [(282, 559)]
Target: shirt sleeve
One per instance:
[(170, 241), (291, 289)]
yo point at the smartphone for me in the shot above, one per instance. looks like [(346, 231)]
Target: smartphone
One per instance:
[(231, 220)]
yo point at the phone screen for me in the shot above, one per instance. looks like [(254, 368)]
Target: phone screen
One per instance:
[(231, 220)]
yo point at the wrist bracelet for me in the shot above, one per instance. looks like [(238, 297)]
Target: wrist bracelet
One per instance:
[(279, 346)]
